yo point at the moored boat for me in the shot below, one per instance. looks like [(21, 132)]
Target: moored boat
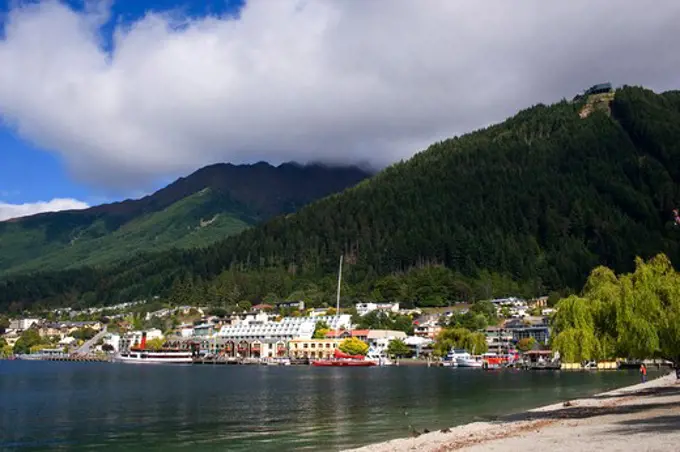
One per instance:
[(379, 357), (142, 355), (465, 359)]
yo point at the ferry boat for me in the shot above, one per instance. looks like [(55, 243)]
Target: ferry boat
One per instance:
[(142, 355)]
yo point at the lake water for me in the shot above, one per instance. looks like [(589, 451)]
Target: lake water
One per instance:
[(86, 406)]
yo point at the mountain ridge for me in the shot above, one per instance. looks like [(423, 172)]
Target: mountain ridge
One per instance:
[(539, 199), (235, 197)]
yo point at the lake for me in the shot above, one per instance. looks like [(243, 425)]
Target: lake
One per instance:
[(130, 407)]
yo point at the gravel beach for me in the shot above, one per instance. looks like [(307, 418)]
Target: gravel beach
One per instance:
[(643, 417)]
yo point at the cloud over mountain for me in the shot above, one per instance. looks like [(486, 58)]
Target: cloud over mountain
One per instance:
[(323, 80), (9, 211)]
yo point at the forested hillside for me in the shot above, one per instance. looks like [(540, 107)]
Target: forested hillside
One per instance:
[(529, 205), (213, 203)]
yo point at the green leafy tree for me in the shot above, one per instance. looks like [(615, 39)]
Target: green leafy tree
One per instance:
[(28, 339), (398, 347), (4, 324), (460, 338), (634, 315), (84, 333), (320, 330), (487, 309), (5, 349), (353, 346), (526, 344)]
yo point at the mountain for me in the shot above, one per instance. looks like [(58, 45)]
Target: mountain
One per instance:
[(536, 201), (213, 203)]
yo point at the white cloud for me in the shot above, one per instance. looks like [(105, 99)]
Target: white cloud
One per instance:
[(10, 211), (331, 80)]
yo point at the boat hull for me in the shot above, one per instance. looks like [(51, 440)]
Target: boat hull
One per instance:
[(156, 358), (343, 363), (469, 363)]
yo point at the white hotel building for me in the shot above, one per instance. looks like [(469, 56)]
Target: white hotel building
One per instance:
[(288, 328)]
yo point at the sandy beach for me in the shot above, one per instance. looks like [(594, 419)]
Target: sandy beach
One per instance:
[(643, 417)]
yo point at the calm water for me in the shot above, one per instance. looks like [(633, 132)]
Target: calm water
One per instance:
[(85, 406)]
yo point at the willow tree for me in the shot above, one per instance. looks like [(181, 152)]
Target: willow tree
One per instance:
[(635, 315), (459, 338)]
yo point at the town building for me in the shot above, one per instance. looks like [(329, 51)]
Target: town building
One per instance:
[(364, 308), (499, 340), (22, 324), (541, 334), (427, 326), (66, 328), (312, 348), (419, 346), (112, 339), (297, 305), (374, 338), (286, 329)]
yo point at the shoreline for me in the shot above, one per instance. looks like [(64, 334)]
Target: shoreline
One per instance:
[(644, 416)]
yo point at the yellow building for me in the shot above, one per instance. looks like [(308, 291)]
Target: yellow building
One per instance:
[(312, 348)]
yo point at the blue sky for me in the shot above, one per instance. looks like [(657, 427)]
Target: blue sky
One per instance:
[(108, 101), (30, 174)]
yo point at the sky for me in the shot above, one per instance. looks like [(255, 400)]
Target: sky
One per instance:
[(104, 100)]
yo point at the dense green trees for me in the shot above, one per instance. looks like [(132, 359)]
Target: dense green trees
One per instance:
[(378, 320), (524, 207), (214, 202), (398, 348), (353, 346), (633, 315), (460, 338), (28, 339), (320, 330)]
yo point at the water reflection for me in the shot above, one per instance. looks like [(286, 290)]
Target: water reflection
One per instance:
[(142, 407)]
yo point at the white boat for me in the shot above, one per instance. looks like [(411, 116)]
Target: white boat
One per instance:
[(142, 355), (156, 356), (379, 357), (275, 361), (464, 359)]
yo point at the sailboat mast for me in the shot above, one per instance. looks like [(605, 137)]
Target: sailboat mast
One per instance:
[(337, 305)]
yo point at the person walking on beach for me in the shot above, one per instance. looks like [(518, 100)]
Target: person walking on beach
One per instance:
[(643, 372)]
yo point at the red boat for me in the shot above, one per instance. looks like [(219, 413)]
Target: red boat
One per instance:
[(341, 359)]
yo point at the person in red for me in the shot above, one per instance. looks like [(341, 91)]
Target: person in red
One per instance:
[(643, 372)]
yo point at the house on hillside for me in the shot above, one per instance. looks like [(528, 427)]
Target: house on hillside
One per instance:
[(364, 308), (297, 305)]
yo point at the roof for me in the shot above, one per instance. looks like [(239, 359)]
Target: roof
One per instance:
[(263, 306), (353, 333)]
